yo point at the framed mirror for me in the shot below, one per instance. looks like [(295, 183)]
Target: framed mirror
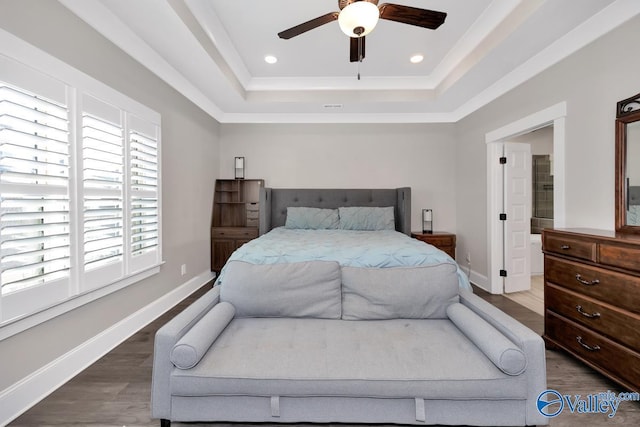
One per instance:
[(628, 165)]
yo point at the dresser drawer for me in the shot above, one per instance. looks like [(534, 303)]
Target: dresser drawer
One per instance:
[(444, 241), (253, 210), (619, 256), (563, 245), (600, 352), (619, 289), (234, 232), (618, 325)]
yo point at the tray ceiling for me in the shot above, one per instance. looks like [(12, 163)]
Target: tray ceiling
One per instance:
[(213, 52)]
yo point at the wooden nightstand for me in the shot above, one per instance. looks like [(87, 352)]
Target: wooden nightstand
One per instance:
[(440, 239)]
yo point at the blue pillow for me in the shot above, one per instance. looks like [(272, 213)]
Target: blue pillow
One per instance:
[(367, 218), (312, 218)]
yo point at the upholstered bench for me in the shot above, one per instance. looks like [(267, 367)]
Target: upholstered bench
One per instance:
[(320, 343)]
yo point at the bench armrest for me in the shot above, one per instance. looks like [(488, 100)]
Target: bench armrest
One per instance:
[(166, 337), (527, 340)]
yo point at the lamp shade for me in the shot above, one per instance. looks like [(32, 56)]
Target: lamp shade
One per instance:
[(359, 18), (239, 167), (427, 221)]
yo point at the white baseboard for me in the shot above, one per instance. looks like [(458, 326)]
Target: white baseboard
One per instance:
[(479, 280), (19, 397)]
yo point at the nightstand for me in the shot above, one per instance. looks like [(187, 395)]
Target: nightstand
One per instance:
[(440, 239)]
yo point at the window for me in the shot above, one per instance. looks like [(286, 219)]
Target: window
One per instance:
[(145, 221), (34, 174), (103, 187), (79, 190)]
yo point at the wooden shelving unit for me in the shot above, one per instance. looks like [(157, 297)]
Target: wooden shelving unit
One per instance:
[(235, 217)]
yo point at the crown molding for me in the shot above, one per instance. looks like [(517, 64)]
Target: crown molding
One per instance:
[(597, 26), (94, 13)]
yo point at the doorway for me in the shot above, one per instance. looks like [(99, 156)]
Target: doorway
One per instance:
[(528, 291), (541, 185), (497, 256)]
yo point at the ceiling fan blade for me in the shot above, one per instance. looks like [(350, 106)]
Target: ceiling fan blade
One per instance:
[(412, 15), (355, 52), (309, 25)]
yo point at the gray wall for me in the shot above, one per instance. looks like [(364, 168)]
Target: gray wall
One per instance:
[(421, 156), (189, 167), (590, 81)]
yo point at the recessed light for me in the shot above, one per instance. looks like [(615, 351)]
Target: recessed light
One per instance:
[(416, 59), (270, 59)]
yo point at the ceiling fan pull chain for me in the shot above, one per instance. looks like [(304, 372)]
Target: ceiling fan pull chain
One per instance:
[(359, 55)]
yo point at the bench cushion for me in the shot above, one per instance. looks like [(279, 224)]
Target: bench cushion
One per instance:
[(300, 289), (419, 292), (400, 358)]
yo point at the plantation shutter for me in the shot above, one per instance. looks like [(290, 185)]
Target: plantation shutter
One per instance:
[(80, 205), (103, 186), (34, 185), (144, 192)]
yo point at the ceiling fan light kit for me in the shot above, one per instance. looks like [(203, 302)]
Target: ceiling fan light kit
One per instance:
[(358, 19)]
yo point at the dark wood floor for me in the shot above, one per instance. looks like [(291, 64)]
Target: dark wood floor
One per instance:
[(115, 390)]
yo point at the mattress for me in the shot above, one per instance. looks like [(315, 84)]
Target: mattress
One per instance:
[(350, 248)]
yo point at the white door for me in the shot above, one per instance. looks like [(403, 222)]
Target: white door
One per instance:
[(517, 226)]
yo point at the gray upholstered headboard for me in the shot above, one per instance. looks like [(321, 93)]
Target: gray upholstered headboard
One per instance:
[(275, 201)]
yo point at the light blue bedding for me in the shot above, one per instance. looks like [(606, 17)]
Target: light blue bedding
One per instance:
[(384, 248)]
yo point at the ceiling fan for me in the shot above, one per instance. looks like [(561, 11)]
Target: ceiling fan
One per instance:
[(358, 17)]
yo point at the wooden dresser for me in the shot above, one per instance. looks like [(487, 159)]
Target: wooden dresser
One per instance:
[(592, 300), (446, 242)]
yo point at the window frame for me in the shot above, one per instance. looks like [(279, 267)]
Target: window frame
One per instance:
[(81, 288)]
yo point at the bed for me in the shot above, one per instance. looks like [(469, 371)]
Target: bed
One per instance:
[(274, 203), (368, 229)]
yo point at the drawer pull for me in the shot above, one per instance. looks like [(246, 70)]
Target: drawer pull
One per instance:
[(565, 247), (588, 347), (586, 282), (585, 314)]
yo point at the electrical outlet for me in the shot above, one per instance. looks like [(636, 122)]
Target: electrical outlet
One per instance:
[(183, 269), (468, 258)]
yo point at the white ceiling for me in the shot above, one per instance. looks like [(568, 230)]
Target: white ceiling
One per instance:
[(213, 52)]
